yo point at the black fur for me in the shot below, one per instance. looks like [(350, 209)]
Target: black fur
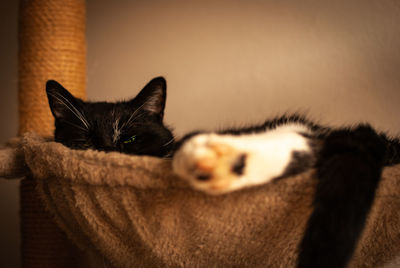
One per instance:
[(349, 162), (83, 125), (349, 168), (275, 122)]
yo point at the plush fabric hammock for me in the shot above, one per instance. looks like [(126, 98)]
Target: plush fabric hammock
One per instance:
[(88, 208), (132, 211)]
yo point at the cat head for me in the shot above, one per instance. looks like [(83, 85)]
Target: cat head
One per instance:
[(134, 126)]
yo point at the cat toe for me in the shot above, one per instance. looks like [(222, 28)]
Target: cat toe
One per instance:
[(209, 163)]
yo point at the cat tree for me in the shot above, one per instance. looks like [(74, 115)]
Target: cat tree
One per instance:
[(88, 208)]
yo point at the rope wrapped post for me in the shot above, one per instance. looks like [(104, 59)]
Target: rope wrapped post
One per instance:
[(51, 46)]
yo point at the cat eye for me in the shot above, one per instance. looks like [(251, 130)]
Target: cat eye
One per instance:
[(131, 139)]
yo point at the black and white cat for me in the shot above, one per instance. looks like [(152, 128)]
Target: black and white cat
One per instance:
[(133, 127), (349, 162)]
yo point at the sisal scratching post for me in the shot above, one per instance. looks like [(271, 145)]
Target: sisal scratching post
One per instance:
[(51, 46)]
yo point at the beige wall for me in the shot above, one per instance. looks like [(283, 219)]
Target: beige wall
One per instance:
[(231, 62)]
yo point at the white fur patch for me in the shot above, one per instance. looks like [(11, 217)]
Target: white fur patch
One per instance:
[(117, 131), (267, 156)]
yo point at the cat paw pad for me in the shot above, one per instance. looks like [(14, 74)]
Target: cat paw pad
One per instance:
[(210, 163)]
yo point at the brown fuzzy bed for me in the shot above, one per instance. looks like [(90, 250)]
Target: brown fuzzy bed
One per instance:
[(130, 211)]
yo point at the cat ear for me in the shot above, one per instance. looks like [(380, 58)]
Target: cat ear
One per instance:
[(62, 103), (152, 97)]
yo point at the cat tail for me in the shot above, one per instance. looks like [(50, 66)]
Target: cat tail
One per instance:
[(349, 168)]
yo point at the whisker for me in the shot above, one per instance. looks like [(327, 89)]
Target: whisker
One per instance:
[(74, 125), (133, 121), (167, 156), (75, 111), (117, 131), (169, 142), (81, 116), (78, 113), (132, 115)]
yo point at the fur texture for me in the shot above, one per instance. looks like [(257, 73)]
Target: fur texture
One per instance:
[(133, 127), (134, 212), (349, 163)]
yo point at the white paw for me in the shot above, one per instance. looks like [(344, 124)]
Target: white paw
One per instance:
[(210, 163), (219, 164)]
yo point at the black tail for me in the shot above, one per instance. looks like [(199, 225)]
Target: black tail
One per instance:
[(349, 168)]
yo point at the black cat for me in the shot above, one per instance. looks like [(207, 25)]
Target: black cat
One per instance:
[(132, 127), (349, 163)]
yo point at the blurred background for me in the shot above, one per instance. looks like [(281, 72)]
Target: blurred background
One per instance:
[(227, 62)]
